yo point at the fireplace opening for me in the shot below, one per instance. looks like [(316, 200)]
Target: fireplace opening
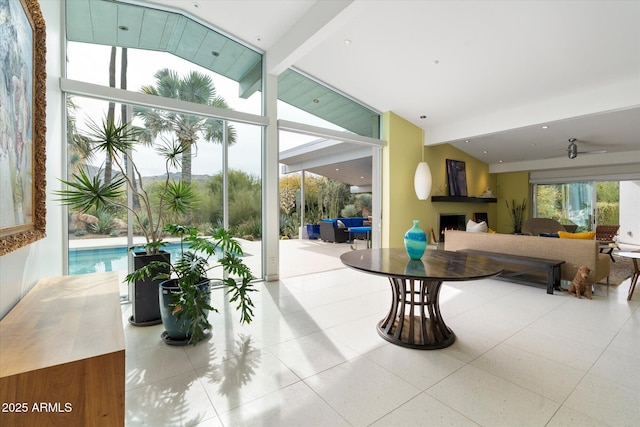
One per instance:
[(451, 222)]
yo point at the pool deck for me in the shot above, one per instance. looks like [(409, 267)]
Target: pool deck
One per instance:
[(297, 257)]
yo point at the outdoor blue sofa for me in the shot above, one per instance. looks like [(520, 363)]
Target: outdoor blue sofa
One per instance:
[(332, 231)]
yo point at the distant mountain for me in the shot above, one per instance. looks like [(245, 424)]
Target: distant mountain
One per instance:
[(175, 176)]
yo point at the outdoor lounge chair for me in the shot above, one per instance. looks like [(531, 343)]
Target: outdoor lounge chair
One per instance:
[(330, 232), (605, 235)]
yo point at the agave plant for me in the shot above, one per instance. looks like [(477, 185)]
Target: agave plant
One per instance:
[(86, 191)]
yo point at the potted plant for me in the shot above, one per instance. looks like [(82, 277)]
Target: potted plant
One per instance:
[(516, 212), (88, 191), (185, 291)]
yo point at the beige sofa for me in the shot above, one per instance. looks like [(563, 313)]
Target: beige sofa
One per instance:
[(574, 252)]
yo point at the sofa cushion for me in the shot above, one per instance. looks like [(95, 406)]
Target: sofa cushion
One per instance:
[(586, 235), (549, 235)]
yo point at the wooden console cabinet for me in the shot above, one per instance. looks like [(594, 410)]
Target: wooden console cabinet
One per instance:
[(62, 357)]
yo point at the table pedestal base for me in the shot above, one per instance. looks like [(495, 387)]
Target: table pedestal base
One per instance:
[(414, 319)]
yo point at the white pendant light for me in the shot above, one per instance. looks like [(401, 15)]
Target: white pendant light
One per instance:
[(422, 178)]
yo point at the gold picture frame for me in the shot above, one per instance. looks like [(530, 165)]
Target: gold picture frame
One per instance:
[(23, 125)]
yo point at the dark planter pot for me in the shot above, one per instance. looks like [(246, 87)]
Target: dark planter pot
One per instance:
[(145, 306), (176, 329), (313, 230)]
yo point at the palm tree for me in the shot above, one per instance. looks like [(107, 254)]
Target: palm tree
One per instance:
[(194, 87), (78, 145)]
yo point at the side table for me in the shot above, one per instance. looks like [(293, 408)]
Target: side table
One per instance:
[(634, 279)]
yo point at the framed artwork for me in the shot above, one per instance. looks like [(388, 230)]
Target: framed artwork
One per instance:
[(457, 176), (22, 124)]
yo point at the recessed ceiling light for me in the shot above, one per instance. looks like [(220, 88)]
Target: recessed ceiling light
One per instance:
[(259, 38), (533, 144), (216, 54), (436, 62), (545, 127), (485, 151), (362, 177), (316, 101), (500, 161), (123, 28), (423, 116), (466, 141), (196, 5), (337, 169), (347, 42)]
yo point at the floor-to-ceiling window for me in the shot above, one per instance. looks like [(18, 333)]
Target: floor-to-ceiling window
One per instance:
[(214, 84), (579, 205)]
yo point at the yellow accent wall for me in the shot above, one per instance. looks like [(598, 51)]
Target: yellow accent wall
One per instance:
[(400, 206), (478, 180), (400, 158), (511, 186)]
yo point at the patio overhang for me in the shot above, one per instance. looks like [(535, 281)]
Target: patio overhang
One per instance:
[(345, 162)]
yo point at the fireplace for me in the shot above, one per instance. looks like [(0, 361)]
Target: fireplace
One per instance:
[(451, 222)]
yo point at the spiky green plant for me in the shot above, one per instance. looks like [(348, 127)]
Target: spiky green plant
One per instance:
[(85, 192)]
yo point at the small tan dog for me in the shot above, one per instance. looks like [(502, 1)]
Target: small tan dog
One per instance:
[(580, 284)]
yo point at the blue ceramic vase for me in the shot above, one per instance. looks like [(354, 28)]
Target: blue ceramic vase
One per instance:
[(415, 241)]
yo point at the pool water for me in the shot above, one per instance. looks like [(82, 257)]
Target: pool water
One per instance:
[(98, 260)]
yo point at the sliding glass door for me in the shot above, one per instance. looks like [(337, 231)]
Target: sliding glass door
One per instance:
[(573, 204)]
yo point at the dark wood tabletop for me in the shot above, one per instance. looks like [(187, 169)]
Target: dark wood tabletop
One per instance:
[(434, 264)]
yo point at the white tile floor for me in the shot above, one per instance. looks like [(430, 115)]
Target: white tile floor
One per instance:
[(312, 357)]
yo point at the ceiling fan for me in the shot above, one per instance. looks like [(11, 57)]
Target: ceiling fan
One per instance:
[(572, 149)]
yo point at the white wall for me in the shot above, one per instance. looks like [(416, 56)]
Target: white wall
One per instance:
[(629, 234), (20, 270)]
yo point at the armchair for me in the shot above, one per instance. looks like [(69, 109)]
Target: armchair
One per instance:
[(330, 232)]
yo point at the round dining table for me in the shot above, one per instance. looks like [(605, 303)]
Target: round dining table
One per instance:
[(414, 319)]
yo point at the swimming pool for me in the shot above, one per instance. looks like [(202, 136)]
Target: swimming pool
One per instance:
[(98, 260)]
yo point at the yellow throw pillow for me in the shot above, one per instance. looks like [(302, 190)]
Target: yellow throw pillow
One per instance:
[(586, 235), (490, 231)]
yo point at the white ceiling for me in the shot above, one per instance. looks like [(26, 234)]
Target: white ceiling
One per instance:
[(490, 72)]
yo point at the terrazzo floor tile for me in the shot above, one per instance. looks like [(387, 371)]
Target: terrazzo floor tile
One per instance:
[(491, 401)]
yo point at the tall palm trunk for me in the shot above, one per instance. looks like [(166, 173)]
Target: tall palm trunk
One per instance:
[(124, 62), (186, 161), (108, 167)]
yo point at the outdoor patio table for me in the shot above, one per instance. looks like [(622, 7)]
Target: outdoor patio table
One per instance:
[(414, 318)]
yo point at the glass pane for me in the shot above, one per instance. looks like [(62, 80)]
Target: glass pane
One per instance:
[(608, 201), (98, 236), (245, 193), (572, 204)]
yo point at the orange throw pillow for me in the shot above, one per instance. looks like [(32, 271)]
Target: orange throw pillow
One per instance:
[(586, 235)]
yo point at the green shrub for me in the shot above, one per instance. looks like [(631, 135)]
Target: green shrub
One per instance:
[(251, 226), (349, 211), (104, 224)]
